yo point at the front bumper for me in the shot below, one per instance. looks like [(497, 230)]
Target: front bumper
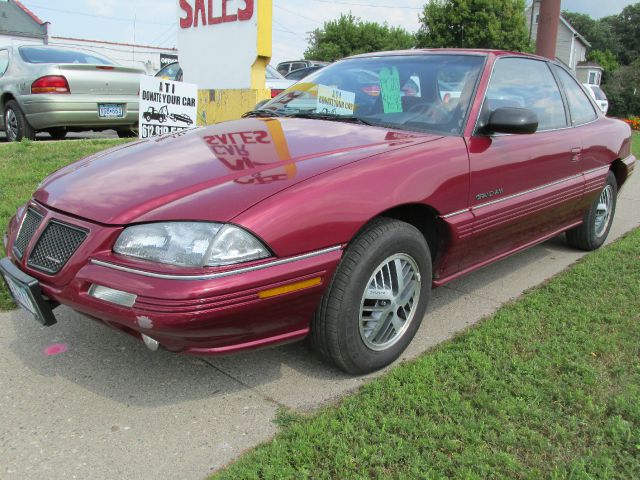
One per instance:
[(75, 110), (221, 314)]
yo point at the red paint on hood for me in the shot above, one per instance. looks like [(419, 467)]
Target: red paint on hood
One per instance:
[(212, 173)]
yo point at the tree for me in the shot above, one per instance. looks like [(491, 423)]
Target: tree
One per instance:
[(349, 35), (497, 24), (623, 90), (606, 60), (598, 33), (626, 30)]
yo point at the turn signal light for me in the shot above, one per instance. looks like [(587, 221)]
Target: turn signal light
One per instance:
[(276, 92), (292, 287), (50, 84)]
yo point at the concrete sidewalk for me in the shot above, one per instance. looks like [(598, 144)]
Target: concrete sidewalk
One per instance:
[(108, 408)]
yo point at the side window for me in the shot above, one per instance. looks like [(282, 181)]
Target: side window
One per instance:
[(526, 83), (4, 61), (582, 110)]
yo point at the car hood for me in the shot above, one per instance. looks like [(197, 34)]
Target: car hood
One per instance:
[(212, 173)]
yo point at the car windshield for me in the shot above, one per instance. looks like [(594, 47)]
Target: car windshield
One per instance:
[(273, 74), (61, 55), (598, 92), (429, 93)]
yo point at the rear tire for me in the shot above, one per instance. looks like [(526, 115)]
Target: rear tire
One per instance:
[(593, 231), (370, 313), (128, 132), (57, 133), (15, 123)]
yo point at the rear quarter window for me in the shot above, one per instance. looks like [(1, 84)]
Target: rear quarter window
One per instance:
[(599, 93), (582, 110), (61, 55)]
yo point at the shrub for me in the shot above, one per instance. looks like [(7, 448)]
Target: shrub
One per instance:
[(634, 122)]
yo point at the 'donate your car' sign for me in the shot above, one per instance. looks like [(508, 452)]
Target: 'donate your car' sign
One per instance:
[(166, 106)]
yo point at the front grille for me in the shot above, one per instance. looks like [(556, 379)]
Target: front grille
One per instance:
[(55, 247), (28, 228)]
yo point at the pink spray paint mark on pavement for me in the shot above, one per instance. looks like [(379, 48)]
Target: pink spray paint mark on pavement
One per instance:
[(55, 349)]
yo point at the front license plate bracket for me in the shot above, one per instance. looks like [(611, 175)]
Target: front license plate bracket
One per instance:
[(26, 291)]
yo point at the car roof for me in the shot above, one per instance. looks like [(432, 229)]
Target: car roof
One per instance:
[(449, 51)]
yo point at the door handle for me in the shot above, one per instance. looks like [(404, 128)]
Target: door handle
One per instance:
[(576, 154)]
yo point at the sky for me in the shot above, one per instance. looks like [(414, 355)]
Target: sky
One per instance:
[(154, 22)]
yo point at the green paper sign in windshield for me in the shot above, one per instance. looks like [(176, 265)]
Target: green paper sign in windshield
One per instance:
[(390, 90)]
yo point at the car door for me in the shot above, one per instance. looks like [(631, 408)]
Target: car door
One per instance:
[(4, 65), (526, 187)]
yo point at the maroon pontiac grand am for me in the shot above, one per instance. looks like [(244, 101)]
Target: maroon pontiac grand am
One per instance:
[(330, 212)]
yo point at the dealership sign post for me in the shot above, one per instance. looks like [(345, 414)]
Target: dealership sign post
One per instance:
[(225, 47)]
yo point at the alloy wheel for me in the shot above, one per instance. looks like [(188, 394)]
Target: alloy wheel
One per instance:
[(11, 124), (389, 302), (603, 211)]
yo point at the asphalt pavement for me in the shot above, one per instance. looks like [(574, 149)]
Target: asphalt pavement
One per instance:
[(79, 400)]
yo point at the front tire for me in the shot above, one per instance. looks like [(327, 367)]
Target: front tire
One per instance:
[(376, 300), (15, 123), (593, 231)]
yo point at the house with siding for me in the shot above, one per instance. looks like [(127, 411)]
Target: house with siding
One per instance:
[(589, 72), (19, 25), (571, 47)]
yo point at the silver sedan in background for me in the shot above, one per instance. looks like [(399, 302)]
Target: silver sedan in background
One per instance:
[(59, 90)]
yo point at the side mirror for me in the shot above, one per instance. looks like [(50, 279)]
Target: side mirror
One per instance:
[(512, 120)]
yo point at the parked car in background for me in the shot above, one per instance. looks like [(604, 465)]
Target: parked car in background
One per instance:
[(276, 82), (330, 213), (599, 96), (173, 72), (299, 74), (58, 90), (285, 68)]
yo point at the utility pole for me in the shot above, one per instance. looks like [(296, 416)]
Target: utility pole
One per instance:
[(547, 28)]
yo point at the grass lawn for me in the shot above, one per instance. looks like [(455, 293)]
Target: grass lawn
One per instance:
[(22, 168), (548, 387)]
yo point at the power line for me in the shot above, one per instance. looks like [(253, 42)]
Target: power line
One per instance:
[(285, 29), (368, 5), (163, 34), (102, 17), (314, 20)]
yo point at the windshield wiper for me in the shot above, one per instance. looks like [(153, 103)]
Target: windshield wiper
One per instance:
[(262, 113), (330, 117)]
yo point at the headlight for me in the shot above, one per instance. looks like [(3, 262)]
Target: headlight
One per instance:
[(20, 212), (190, 244)]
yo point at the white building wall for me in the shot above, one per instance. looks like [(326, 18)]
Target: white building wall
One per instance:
[(144, 57), (565, 47), (16, 40)]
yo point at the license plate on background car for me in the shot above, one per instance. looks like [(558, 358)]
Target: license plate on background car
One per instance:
[(110, 110)]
